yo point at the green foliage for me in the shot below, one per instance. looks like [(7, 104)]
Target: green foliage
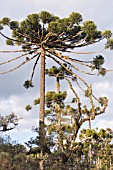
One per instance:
[(14, 25), (13, 156), (109, 43), (69, 110), (88, 92), (67, 25), (67, 128), (45, 17), (52, 71), (75, 18), (1, 27), (96, 135), (91, 133), (53, 31), (107, 34), (74, 100), (60, 97), (49, 98), (89, 28), (47, 28), (6, 121), (37, 101), (59, 25), (5, 21), (51, 128), (52, 97), (59, 72), (33, 18), (16, 156), (31, 23), (102, 133), (97, 62), (96, 146), (9, 42), (102, 71), (28, 107), (28, 84), (103, 101), (47, 112), (97, 109)]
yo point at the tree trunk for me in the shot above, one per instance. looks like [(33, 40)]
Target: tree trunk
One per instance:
[(57, 84), (58, 115), (42, 108), (90, 148), (42, 87), (110, 164), (89, 123), (90, 155)]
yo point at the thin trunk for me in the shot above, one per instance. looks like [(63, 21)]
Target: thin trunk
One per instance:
[(41, 161), (90, 155), (76, 127), (42, 108), (90, 123), (60, 141), (97, 162), (58, 115), (57, 84), (90, 148), (111, 167), (42, 86)]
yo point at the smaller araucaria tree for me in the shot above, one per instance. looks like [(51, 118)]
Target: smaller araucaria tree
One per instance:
[(102, 149), (79, 112), (8, 122), (64, 120)]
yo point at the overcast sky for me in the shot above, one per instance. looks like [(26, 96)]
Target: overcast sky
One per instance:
[(14, 98)]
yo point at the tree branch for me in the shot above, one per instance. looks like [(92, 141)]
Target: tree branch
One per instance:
[(35, 66), (19, 65)]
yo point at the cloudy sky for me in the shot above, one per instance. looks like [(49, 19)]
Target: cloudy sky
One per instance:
[(13, 96)]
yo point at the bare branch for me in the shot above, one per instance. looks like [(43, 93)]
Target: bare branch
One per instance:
[(9, 37), (92, 52), (35, 66), (19, 65), (58, 55), (71, 59), (75, 75), (13, 51), (78, 99), (14, 59), (32, 42), (92, 104)]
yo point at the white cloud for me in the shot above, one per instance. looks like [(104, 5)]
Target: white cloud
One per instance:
[(104, 124), (102, 85), (104, 88), (29, 119)]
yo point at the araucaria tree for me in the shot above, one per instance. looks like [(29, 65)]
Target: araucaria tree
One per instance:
[(43, 35), (8, 122)]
